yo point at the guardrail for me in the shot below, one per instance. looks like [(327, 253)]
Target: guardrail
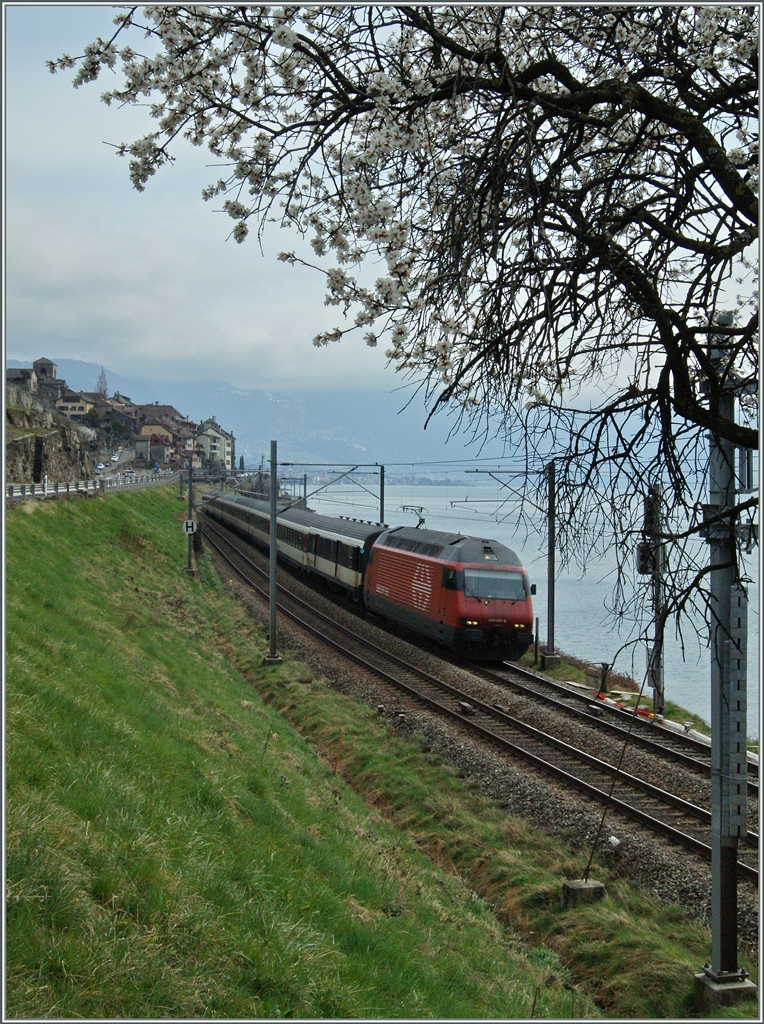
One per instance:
[(128, 483), (101, 485)]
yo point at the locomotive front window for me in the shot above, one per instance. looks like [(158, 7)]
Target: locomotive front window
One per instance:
[(487, 584)]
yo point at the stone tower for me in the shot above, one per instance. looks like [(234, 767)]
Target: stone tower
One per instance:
[(45, 369)]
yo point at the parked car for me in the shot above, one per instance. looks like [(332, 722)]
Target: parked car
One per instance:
[(115, 457), (100, 467), (129, 472)]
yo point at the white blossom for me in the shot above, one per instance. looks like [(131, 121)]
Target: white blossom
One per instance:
[(284, 36)]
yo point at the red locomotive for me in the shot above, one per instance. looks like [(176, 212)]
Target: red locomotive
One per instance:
[(469, 594)]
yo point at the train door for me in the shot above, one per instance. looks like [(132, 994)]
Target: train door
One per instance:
[(447, 602), (310, 550)]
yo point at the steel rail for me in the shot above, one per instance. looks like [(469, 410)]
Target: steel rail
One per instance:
[(625, 713), (652, 744), (496, 714)]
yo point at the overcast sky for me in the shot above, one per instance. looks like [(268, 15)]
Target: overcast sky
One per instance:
[(146, 284)]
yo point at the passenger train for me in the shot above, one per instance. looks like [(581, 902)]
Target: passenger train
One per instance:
[(471, 595)]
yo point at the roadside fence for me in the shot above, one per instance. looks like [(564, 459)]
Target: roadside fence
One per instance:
[(101, 485)]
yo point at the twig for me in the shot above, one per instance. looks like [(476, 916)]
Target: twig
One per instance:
[(535, 997), (265, 745), (339, 748)]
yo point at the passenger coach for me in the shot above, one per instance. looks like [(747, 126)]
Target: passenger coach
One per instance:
[(336, 549)]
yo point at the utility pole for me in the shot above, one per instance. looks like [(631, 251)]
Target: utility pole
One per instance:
[(651, 560), (272, 658), (382, 495), (550, 658), (721, 979)]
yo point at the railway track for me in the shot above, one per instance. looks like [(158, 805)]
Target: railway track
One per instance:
[(690, 753), (679, 820)]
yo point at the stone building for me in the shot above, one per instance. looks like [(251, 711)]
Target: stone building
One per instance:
[(22, 378)]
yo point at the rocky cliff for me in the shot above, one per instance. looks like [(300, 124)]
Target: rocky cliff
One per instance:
[(41, 443)]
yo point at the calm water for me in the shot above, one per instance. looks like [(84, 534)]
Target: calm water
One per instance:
[(582, 627)]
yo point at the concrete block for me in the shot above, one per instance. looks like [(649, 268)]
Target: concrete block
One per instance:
[(578, 890), (710, 993), (550, 660)]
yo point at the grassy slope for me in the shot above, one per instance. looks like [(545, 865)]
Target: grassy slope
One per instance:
[(175, 848)]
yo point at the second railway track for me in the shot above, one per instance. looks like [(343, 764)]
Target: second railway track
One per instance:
[(690, 753), (679, 820)]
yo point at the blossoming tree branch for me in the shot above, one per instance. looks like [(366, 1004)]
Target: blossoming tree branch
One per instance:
[(562, 200)]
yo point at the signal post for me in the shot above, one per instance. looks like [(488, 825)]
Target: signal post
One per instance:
[(189, 527)]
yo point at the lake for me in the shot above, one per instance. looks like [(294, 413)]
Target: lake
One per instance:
[(582, 625)]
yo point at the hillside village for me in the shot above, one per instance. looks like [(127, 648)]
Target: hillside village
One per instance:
[(55, 431)]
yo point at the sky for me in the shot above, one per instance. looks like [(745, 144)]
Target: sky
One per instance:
[(147, 284)]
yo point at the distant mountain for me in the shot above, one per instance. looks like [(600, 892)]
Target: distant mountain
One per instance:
[(310, 426)]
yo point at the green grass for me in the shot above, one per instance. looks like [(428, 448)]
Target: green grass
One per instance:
[(174, 847), (178, 844), (14, 433), (631, 954), (572, 669)]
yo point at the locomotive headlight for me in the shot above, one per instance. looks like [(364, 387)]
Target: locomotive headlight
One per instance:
[(470, 622)]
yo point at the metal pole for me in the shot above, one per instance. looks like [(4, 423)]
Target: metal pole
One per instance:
[(654, 529), (190, 567), (272, 657), (550, 567), (536, 644), (274, 491), (729, 812), (382, 495), (305, 492)]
